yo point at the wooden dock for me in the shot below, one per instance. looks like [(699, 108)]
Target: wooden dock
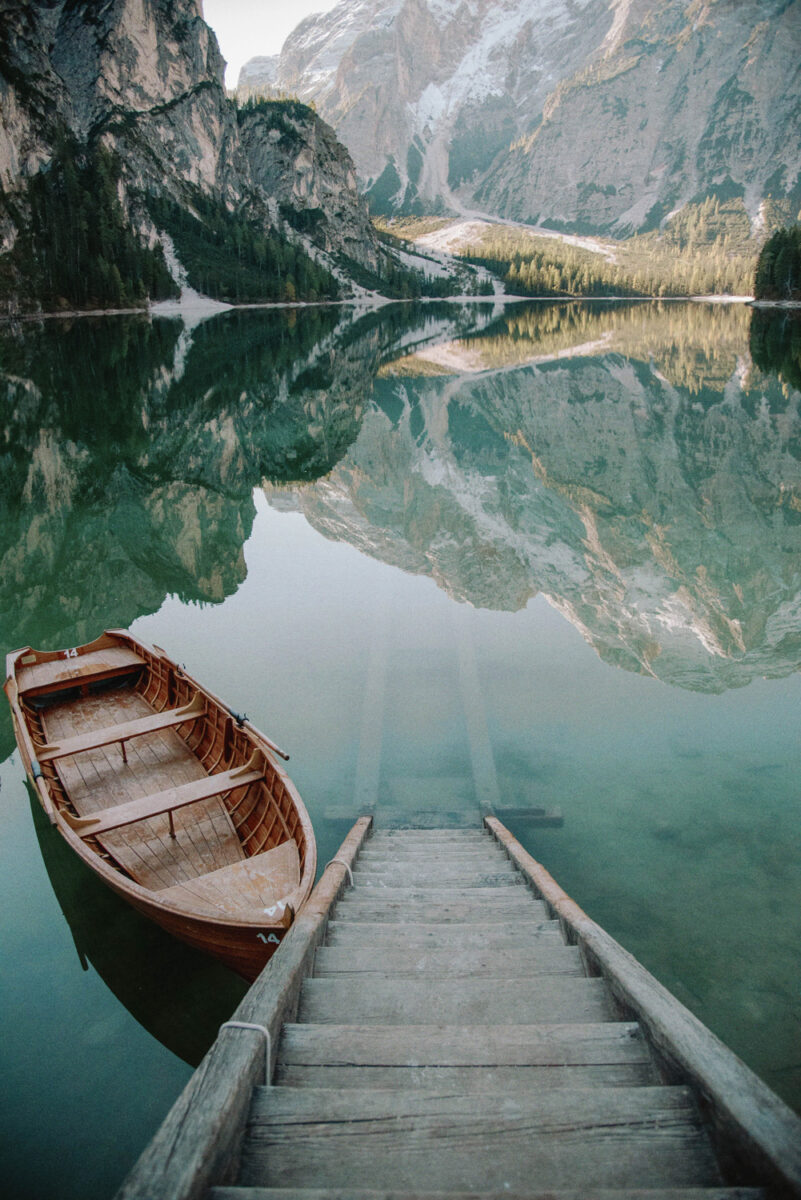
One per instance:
[(452, 1025)]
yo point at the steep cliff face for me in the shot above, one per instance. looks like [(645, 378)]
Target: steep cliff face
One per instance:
[(143, 76), (295, 158), (600, 116), (691, 99), (143, 80)]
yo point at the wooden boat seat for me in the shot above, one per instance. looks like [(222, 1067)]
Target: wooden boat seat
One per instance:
[(109, 734), (255, 884), (170, 799), (37, 678)]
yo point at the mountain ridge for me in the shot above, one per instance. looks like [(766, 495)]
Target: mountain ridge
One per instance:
[(133, 91), (496, 105)]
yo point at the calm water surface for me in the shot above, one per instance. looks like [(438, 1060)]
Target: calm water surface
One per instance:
[(547, 556)]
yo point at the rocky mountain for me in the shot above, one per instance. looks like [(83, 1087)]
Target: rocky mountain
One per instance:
[(589, 115), (121, 102)]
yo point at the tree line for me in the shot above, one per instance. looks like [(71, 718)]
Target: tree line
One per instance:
[(778, 272), (229, 257), (76, 248)]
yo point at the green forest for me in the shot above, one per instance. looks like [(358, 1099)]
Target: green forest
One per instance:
[(76, 249), (778, 272), (705, 249), (231, 258)]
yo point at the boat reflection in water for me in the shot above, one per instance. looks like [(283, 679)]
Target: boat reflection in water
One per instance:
[(177, 994)]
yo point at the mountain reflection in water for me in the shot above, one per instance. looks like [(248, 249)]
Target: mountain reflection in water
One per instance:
[(130, 450), (631, 462)]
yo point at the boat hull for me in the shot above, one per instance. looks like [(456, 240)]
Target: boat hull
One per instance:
[(260, 811)]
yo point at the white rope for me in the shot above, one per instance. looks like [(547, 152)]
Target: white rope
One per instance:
[(259, 1029), (342, 863)]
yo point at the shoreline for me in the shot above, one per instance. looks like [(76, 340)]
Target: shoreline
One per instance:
[(173, 309)]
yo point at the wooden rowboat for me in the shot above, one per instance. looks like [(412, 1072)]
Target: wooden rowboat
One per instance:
[(172, 799)]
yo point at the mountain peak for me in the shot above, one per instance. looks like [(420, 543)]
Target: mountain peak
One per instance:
[(596, 117)]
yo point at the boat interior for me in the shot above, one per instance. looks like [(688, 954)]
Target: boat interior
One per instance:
[(161, 780)]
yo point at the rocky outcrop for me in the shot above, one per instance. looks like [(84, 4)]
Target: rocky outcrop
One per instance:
[(144, 80), (599, 116), (295, 159)]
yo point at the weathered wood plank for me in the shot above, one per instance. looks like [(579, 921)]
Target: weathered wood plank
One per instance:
[(591, 1193), (124, 730), (505, 1081), (455, 1001), (428, 837), (434, 894), (444, 933), (611, 1137), (433, 855), (485, 875), (752, 1123), (542, 1045), (487, 962), (504, 913), (198, 1143)]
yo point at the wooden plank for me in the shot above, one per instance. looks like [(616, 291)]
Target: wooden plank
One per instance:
[(413, 877), (431, 894), (66, 672), (433, 855), (248, 886), (505, 1081), (499, 912), (124, 731), (486, 962), (586, 1193), (455, 1001), (540, 1045), (168, 800), (98, 779), (198, 1142), (399, 879), (444, 933), (611, 1137), (470, 833), (752, 1123)]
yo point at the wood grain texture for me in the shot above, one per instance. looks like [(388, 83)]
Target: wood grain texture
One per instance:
[(410, 876), (124, 731), (250, 885), (455, 1001), (488, 962), (586, 1193), (753, 1125), (483, 1081), (483, 931), (616, 1137), (505, 914), (480, 1044), (198, 1143)]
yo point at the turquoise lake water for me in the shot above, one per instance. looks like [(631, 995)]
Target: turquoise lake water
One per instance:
[(541, 556)]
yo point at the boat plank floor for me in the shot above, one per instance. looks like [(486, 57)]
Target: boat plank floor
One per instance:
[(98, 779)]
